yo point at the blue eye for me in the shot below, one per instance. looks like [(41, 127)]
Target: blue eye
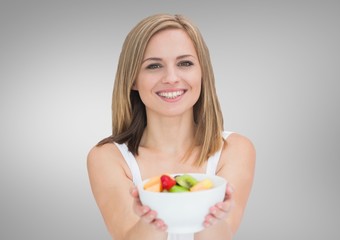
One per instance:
[(154, 66), (185, 64)]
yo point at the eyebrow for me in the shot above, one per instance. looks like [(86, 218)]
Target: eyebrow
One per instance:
[(159, 59)]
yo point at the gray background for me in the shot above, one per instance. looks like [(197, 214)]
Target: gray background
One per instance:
[(277, 70)]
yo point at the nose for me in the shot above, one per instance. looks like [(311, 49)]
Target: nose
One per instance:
[(171, 75)]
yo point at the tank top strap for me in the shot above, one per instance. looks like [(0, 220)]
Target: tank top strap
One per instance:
[(131, 162), (214, 159)]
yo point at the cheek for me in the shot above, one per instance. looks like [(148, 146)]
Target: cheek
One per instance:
[(197, 83), (196, 88), (198, 91), (140, 83), (144, 89), (145, 81)]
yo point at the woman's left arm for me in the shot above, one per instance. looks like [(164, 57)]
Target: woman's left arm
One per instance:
[(237, 166)]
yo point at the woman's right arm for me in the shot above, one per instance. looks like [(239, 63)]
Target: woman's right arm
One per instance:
[(111, 185)]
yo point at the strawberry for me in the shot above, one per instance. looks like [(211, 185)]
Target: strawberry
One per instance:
[(167, 182)]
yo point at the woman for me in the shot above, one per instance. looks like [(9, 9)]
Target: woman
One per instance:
[(166, 118)]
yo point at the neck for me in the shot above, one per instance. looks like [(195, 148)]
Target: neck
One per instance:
[(172, 135)]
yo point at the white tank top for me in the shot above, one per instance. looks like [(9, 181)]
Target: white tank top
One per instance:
[(136, 176)]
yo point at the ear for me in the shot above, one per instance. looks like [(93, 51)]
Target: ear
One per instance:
[(134, 87)]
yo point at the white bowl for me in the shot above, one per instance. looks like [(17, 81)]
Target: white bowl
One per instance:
[(184, 212)]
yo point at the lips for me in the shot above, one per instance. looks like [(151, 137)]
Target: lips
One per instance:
[(171, 94)]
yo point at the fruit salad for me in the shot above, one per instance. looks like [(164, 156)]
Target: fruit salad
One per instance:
[(178, 183)]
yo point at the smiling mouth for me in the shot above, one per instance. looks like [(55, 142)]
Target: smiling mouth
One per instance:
[(171, 95)]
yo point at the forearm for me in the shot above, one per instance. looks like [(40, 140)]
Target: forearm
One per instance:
[(220, 231), (142, 230)]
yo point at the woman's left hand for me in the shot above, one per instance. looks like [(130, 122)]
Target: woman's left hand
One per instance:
[(220, 210)]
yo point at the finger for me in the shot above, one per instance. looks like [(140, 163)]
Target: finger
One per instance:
[(138, 207), (218, 213), (141, 210), (226, 206), (134, 192), (221, 209), (145, 212), (230, 189), (209, 220), (149, 217), (223, 206), (160, 225)]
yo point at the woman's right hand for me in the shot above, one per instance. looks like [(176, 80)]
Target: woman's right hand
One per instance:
[(145, 213)]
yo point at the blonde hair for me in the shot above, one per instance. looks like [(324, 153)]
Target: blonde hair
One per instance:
[(128, 111)]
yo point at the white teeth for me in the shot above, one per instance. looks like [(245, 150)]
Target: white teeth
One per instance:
[(171, 94)]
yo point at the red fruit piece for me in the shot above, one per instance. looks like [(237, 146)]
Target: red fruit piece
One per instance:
[(167, 182)]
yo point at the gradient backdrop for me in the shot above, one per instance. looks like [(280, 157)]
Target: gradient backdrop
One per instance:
[(277, 70)]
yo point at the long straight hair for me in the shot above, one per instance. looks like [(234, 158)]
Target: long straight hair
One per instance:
[(128, 111)]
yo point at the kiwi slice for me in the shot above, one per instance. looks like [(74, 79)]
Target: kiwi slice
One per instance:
[(186, 181), (177, 188)]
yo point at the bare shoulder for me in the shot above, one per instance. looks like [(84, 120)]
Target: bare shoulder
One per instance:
[(239, 145), (106, 161), (238, 157), (100, 156), (106, 167), (100, 153)]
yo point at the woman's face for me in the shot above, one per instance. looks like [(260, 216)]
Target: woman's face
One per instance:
[(169, 81)]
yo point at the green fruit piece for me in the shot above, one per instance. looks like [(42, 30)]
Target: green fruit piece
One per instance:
[(177, 188), (186, 181)]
